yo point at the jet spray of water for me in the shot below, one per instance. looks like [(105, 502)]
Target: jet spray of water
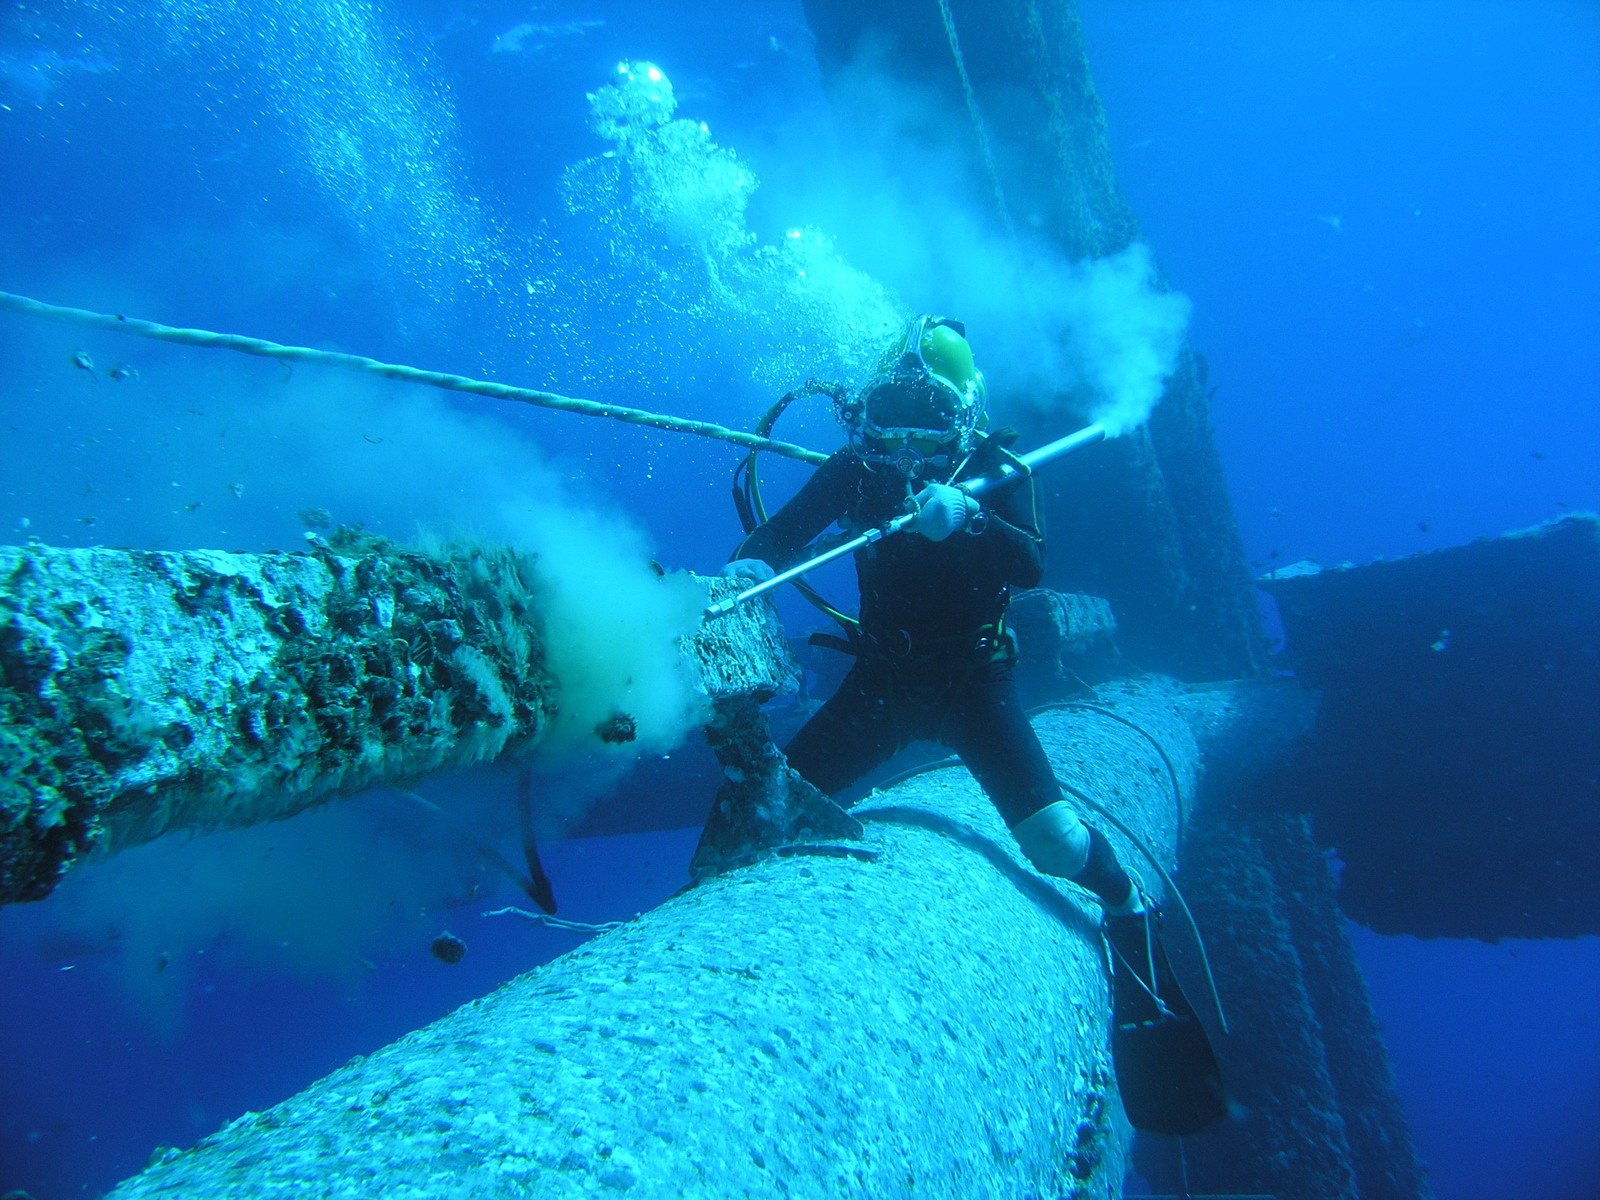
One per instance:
[(1095, 339), (1123, 336)]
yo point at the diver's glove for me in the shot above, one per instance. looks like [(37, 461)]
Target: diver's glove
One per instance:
[(749, 570), (941, 511)]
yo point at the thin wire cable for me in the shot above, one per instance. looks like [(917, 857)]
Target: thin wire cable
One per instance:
[(1172, 772), (980, 127), (134, 327), (558, 922), (1149, 989), (1138, 843), (1172, 889)]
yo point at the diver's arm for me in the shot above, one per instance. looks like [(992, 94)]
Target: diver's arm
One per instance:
[(1012, 530), (783, 537)]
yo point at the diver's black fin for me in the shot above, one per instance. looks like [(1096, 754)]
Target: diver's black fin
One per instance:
[(1167, 1070)]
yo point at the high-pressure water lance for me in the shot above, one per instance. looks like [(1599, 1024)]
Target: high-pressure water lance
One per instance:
[(1008, 473)]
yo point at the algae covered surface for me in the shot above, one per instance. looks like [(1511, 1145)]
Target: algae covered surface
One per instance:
[(144, 691)]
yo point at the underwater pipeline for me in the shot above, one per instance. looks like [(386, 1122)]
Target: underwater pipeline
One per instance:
[(912, 1010), (147, 692)]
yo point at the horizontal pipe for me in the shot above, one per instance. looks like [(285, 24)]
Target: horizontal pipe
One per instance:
[(144, 692), (916, 1012)]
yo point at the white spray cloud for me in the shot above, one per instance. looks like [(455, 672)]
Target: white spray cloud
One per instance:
[(613, 625), (612, 621), (1107, 337), (1082, 340), (203, 450)]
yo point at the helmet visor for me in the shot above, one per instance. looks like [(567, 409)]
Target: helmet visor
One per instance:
[(928, 387)]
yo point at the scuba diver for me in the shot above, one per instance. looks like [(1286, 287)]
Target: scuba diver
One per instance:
[(934, 658)]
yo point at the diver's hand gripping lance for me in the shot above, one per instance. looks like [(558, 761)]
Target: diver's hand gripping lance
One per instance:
[(1008, 473)]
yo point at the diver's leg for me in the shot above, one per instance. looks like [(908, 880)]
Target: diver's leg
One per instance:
[(849, 735), (1167, 1072), (987, 727)]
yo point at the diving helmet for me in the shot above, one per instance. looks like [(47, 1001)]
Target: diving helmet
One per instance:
[(922, 410)]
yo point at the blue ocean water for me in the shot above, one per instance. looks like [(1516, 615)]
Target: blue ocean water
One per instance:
[(1383, 216)]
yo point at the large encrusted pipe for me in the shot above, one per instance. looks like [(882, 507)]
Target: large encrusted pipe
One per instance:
[(145, 692), (912, 1012)]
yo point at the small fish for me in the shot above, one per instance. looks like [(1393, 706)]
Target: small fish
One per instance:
[(1539, 454), (531, 39), (81, 360), (1424, 527), (120, 371)]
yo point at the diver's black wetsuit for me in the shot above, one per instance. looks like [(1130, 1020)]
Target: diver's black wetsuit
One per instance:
[(934, 660)]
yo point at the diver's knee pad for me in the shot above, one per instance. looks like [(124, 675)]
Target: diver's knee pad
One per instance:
[(1055, 841)]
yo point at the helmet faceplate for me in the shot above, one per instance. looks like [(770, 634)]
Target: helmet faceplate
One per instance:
[(925, 406)]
